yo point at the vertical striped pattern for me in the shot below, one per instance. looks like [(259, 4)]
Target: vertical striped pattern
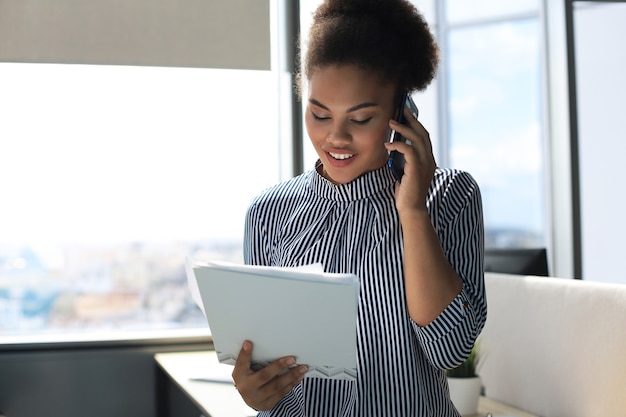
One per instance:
[(355, 228)]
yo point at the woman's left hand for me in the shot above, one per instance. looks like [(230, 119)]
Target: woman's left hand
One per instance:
[(419, 166)]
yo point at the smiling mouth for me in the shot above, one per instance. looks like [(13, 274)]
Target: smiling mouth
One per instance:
[(341, 156)]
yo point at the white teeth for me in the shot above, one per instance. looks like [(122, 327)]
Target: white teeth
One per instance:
[(341, 156)]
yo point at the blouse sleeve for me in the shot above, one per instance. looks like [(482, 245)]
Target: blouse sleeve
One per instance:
[(255, 240), (448, 340)]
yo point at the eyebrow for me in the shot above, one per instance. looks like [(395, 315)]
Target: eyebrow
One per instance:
[(351, 109)]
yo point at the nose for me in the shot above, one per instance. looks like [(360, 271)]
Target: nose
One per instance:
[(339, 134)]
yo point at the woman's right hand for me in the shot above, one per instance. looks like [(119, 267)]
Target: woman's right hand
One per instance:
[(264, 388)]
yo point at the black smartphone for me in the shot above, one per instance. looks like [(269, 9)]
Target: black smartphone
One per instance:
[(396, 159)]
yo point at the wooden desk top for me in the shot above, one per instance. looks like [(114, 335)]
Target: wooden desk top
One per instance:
[(209, 385)]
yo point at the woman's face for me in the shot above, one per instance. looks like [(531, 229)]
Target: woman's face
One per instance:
[(347, 119)]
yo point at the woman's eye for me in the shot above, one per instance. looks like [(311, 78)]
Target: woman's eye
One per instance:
[(316, 117), (361, 122)]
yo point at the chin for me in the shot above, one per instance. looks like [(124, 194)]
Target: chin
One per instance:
[(346, 174)]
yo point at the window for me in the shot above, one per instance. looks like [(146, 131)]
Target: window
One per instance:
[(110, 175), (460, 11), (494, 125)]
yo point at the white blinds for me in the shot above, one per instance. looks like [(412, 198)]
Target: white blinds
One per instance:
[(181, 33)]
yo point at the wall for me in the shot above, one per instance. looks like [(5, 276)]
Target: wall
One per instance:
[(137, 32), (600, 67)]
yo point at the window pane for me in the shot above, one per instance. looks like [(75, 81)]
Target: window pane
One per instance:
[(495, 127), (110, 175), (462, 10), (427, 9)]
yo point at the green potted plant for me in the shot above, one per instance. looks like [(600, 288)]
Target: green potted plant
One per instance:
[(465, 384)]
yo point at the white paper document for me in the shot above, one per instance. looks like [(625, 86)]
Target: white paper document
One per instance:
[(283, 311)]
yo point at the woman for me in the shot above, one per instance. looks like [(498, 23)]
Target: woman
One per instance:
[(416, 245)]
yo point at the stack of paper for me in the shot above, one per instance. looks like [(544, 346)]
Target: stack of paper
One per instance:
[(284, 311)]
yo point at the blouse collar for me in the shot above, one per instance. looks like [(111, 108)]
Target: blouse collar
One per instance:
[(365, 186)]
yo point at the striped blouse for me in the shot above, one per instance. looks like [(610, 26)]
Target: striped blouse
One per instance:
[(355, 228)]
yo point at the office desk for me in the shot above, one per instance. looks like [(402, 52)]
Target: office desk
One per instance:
[(187, 372), (182, 371)]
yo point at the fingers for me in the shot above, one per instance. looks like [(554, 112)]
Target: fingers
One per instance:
[(418, 146), (264, 388), (269, 394), (243, 360), (419, 166), (419, 129)]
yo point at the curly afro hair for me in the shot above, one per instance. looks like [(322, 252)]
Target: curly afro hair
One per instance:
[(389, 37)]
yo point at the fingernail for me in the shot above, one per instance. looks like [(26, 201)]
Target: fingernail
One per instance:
[(247, 346), (291, 361), (303, 369)]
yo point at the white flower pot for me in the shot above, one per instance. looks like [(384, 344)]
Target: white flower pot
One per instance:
[(464, 393)]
